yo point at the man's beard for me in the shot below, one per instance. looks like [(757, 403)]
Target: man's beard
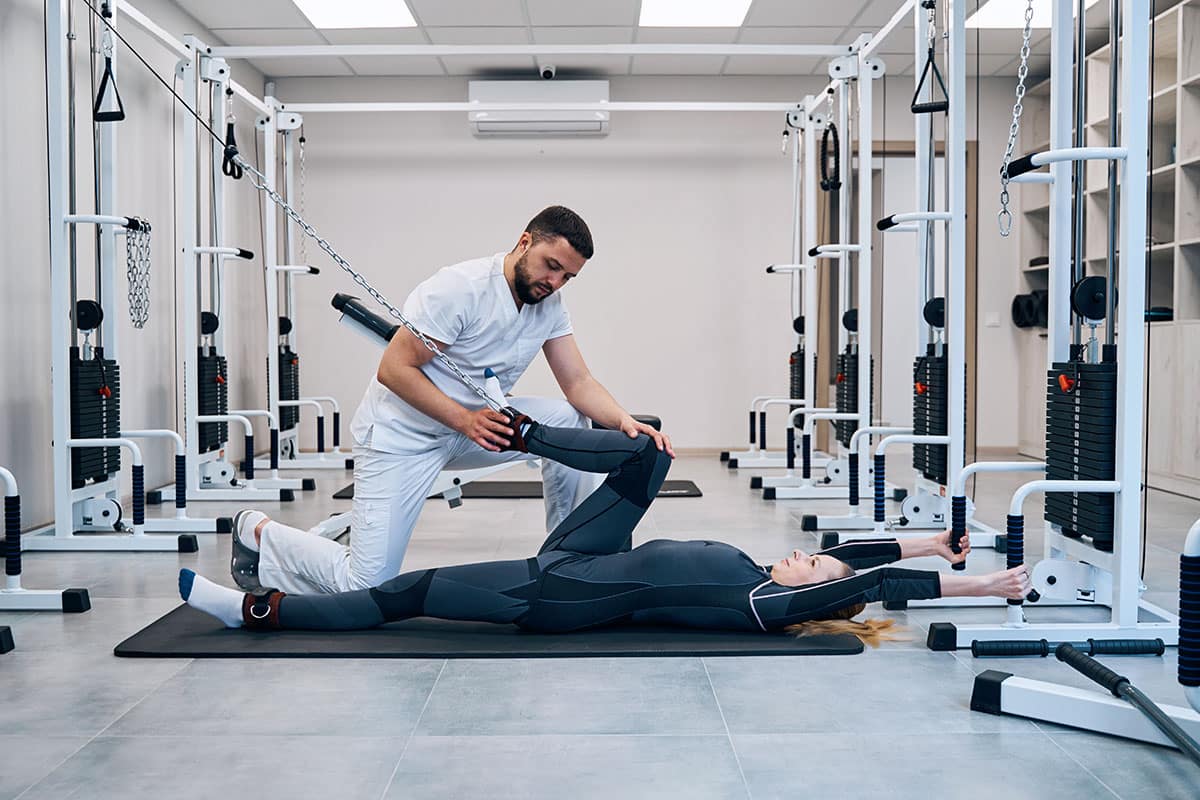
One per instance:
[(524, 285)]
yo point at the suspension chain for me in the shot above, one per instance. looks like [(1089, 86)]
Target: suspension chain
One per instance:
[(260, 182), (1005, 216), (137, 271)]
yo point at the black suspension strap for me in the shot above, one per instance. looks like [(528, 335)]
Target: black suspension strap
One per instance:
[(930, 106), (105, 109), (229, 167), (831, 180)]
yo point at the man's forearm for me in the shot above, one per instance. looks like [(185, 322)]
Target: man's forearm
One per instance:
[(595, 402), (413, 386)]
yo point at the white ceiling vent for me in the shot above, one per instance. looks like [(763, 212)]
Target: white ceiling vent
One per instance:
[(533, 111)]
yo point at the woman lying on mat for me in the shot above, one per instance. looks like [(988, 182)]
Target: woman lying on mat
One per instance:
[(587, 575)]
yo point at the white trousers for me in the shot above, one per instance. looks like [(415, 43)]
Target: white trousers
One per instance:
[(389, 492)]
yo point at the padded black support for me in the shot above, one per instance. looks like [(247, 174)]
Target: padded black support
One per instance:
[(187, 633), (985, 696)]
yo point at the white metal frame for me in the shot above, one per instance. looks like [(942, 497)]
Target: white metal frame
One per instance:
[(14, 596), (1080, 569)]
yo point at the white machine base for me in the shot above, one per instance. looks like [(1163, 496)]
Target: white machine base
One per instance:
[(65, 600), (757, 459), (1165, 626), (825, 492), (998, 692), (342, 462), (47, 539)]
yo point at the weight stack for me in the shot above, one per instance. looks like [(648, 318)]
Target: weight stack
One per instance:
[(213, 398), (1081, 440), (846, 393), (796, 381), (930, 389), (95, 414), (289, 387)]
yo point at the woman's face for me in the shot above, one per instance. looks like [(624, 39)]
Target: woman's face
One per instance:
[(800, 568)]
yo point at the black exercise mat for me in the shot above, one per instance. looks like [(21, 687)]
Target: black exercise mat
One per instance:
[(188, 633), (532, 490)]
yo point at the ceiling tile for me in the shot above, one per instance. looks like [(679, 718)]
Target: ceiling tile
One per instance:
[(243, 37), (375, 36), (241, 14), (790, 35), (395, 65), (878, 13), (478, 35), (677, 65), (803, 12), (497, 66), (776, 65), (300, 67), (468, 12), (583, 12), (596, 35), (686, 35)]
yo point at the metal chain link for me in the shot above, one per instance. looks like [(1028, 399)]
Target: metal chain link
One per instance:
[(260, 182), (1004, 218), (303, 182), (137, 271)]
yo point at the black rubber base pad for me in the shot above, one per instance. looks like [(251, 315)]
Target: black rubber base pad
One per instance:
[(532, 490), (187, 633)]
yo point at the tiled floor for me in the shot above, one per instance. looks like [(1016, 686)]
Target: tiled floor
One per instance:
[(77, 722)]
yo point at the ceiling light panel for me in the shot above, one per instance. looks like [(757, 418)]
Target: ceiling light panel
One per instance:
[(332, 14), (693, 13)]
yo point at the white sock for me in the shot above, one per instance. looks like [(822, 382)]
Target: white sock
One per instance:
[(247, 522), (201, 593)]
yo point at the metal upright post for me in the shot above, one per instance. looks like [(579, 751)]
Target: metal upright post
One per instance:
[(812, 325), (1135, 88), (268, 127), (956, 230), (189, 264), (866, 76)]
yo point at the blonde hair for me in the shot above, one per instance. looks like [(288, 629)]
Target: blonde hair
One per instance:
[(869, 631)]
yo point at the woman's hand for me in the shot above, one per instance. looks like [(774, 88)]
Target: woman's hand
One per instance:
[(941, 546), (1011, 583)]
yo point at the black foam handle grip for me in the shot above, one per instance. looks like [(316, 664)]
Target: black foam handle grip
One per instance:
[(791, 447), (135, 224), (752, 428), (139, 494), (813, 252), (181, 481), (806, 456), (958, 528), (771, 269), (321, 433), (246, 254), (1006, 648), (1089, 667), (248, 461), (12, 535), (1126, 647), (852, 472), (337, 429), (314, 271), (880, 466), (353, 307), (1021, 165), (762, 431), (1015, 537), (274, 449), (932, 107), (886, 223)]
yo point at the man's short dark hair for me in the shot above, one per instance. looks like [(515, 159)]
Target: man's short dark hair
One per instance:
[(557, 221)]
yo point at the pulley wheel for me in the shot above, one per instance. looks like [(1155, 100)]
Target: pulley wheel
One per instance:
[(935, 312), (88, 315), (850, 320), (1089, 297), (208, 323)]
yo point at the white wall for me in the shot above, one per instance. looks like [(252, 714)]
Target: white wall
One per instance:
[(144, 189), (674, 313)]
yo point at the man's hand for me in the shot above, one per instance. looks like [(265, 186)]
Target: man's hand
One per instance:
[(631, 428), (941, 546), (486, 428)]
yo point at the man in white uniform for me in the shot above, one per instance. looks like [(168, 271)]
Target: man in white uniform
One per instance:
[(417, 418)]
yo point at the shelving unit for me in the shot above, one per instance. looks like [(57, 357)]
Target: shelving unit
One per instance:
[(1173, 347)]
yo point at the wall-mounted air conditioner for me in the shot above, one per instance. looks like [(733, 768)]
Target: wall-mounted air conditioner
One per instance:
[(539, 119)]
